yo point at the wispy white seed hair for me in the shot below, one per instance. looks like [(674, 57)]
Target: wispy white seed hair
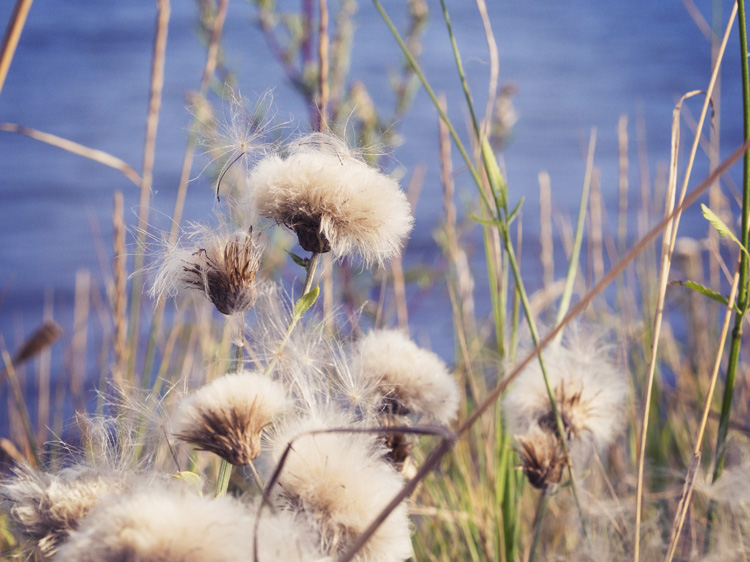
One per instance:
[(228, 415), (222, 265), (287, 537), (332, 200), (45, 508), (413, 378), (235, 137), (340, 483), (162, 525)]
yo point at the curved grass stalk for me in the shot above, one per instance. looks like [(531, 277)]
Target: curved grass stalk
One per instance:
[(670, 235)]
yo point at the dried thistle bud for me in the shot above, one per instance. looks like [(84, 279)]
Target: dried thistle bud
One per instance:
[(223, 267), (332, 200), (337, 482), (227, 416), (542, 457), (165, 525), (409, 378), (398, 445), (590, 390), (45, 508)]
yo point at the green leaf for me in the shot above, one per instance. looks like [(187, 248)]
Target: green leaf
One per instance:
[(487, 222), (721, 228), (703, 290), (493, 173), (515, 211), (306, 301), (190, 478), (299, 260)]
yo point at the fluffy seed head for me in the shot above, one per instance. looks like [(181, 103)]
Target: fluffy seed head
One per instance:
[(222, 266), (332, 200), (589, 388), (228, 415), (45, 508), (410, 379), (162, 526), (542, 457), (339, 482)]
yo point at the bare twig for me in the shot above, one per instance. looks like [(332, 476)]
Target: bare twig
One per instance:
[(91, 153), (11, 37)]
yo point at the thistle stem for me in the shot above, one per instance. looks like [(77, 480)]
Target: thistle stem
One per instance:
[(222, 482), (312, 264), (541, 510)]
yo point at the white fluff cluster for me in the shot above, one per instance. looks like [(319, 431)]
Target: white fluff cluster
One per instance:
[(45, 508), (162, 525), (228, 415), (590, 389), (340, 482), (416, 379), (332, 200)]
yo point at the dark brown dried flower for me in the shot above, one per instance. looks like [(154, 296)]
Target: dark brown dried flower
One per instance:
[(228, 415), (223, 268), (542, 457)]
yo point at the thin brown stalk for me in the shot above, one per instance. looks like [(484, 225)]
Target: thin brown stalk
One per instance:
[(545, 229), (446, 444), (494, 68), (91, 153), (690, 480), (119, 295), (149, 154), (666, 257), (596, 236), (670, 235), (81, 309), (45, 357), (622, 211), (20, 403), (323, 65), (456, 254), (11, 37)]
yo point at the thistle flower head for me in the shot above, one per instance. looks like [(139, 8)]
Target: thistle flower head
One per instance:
[(45, 508), (164, 525), (542, 457), (332, 200), (339, 482), (222, 266), (589, 388), (228, 415), (411, 379)]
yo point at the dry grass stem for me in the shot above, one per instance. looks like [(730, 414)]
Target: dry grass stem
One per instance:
[(11, 37)]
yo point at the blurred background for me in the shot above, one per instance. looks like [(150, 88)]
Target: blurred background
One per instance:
[(81, 72)]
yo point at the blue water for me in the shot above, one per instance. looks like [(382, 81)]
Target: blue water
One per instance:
[(82, 68)]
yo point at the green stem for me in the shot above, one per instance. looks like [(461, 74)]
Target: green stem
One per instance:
[(312, 264), (742, 298), (562, 435), (541, 510), (222, 482)]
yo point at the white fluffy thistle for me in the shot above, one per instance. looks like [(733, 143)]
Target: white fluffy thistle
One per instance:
[(222, 265), (45, 508), (228, 415), (409, 378), (590, 390), (340, 482), (164, 525), (333, 200)]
